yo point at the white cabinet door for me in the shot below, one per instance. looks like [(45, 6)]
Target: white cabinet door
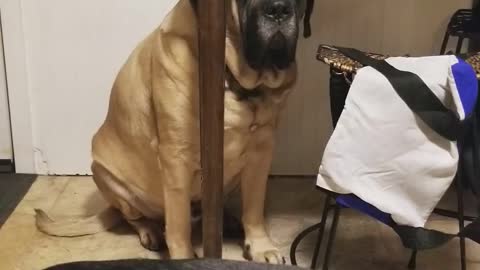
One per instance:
[(6, 153), (74, 50)]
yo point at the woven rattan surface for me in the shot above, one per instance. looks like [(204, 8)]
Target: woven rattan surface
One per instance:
[(332, 57)]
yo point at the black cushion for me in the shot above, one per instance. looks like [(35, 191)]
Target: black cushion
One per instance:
[(144, 264)]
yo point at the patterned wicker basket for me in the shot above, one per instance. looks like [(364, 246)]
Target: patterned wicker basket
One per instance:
[(332, 57)]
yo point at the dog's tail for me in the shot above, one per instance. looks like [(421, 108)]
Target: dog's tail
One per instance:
[(79, 226)]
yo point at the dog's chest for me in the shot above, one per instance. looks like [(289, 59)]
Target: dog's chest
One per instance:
[(247, 120)]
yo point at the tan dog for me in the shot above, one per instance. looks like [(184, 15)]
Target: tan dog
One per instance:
[(146, 158)]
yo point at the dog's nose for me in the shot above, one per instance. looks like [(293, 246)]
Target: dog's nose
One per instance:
[(278, 10)]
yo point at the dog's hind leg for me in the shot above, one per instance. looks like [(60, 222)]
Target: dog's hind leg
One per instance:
[(149, 231)]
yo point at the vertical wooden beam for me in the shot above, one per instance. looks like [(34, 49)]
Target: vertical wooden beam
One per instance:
[(211, 19)]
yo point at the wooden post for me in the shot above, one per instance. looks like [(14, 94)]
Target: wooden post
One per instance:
[(211, 20)]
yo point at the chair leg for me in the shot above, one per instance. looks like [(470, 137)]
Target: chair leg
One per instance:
[(320, 227), (461, 220), (412, 264), (459, 45), (331, 239), (445, 43), (321, 232)]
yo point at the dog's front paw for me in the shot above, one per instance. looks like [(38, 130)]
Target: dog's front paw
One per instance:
[(262, 251)]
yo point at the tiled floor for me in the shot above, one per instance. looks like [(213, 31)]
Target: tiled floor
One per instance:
[(292, 205)]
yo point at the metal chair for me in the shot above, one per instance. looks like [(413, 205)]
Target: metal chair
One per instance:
[(340, 77), (464, 24)]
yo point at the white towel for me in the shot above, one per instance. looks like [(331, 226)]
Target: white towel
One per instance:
[(383, 153)]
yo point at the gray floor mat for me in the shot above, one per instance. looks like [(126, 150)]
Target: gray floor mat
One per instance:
[(12, 189)]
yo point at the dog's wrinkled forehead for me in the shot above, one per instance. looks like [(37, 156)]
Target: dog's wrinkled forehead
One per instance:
[(303, 7), (251, 5), (304, 10)]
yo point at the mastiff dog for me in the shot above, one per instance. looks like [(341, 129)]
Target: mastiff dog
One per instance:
[(146, 154)]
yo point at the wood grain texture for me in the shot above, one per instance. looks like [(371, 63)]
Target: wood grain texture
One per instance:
[(212, 68), (414, 27)]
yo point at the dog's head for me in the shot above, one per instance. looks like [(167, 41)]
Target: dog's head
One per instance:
[(269, 31)]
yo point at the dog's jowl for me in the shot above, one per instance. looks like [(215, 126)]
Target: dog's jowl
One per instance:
[(146, 159)]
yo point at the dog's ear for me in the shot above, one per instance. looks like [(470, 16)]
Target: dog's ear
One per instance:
[(194, 4), (307, 28)]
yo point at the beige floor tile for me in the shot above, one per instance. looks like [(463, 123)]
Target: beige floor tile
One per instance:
[(15, 239), (119, 244), (79, 197), (292, 205), (43, 194)]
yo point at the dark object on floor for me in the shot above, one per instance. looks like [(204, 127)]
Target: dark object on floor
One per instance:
[(169, 265), (6, 166), (12, 189), (232, 226)]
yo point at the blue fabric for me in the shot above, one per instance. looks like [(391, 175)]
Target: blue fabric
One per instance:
[(467, 85), (352, 201)]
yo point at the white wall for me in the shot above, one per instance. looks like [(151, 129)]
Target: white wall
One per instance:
[(5, 133), (394, 27), (74, 50)]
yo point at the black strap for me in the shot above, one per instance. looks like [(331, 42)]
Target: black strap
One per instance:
[(415, 93), (338, 94)]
